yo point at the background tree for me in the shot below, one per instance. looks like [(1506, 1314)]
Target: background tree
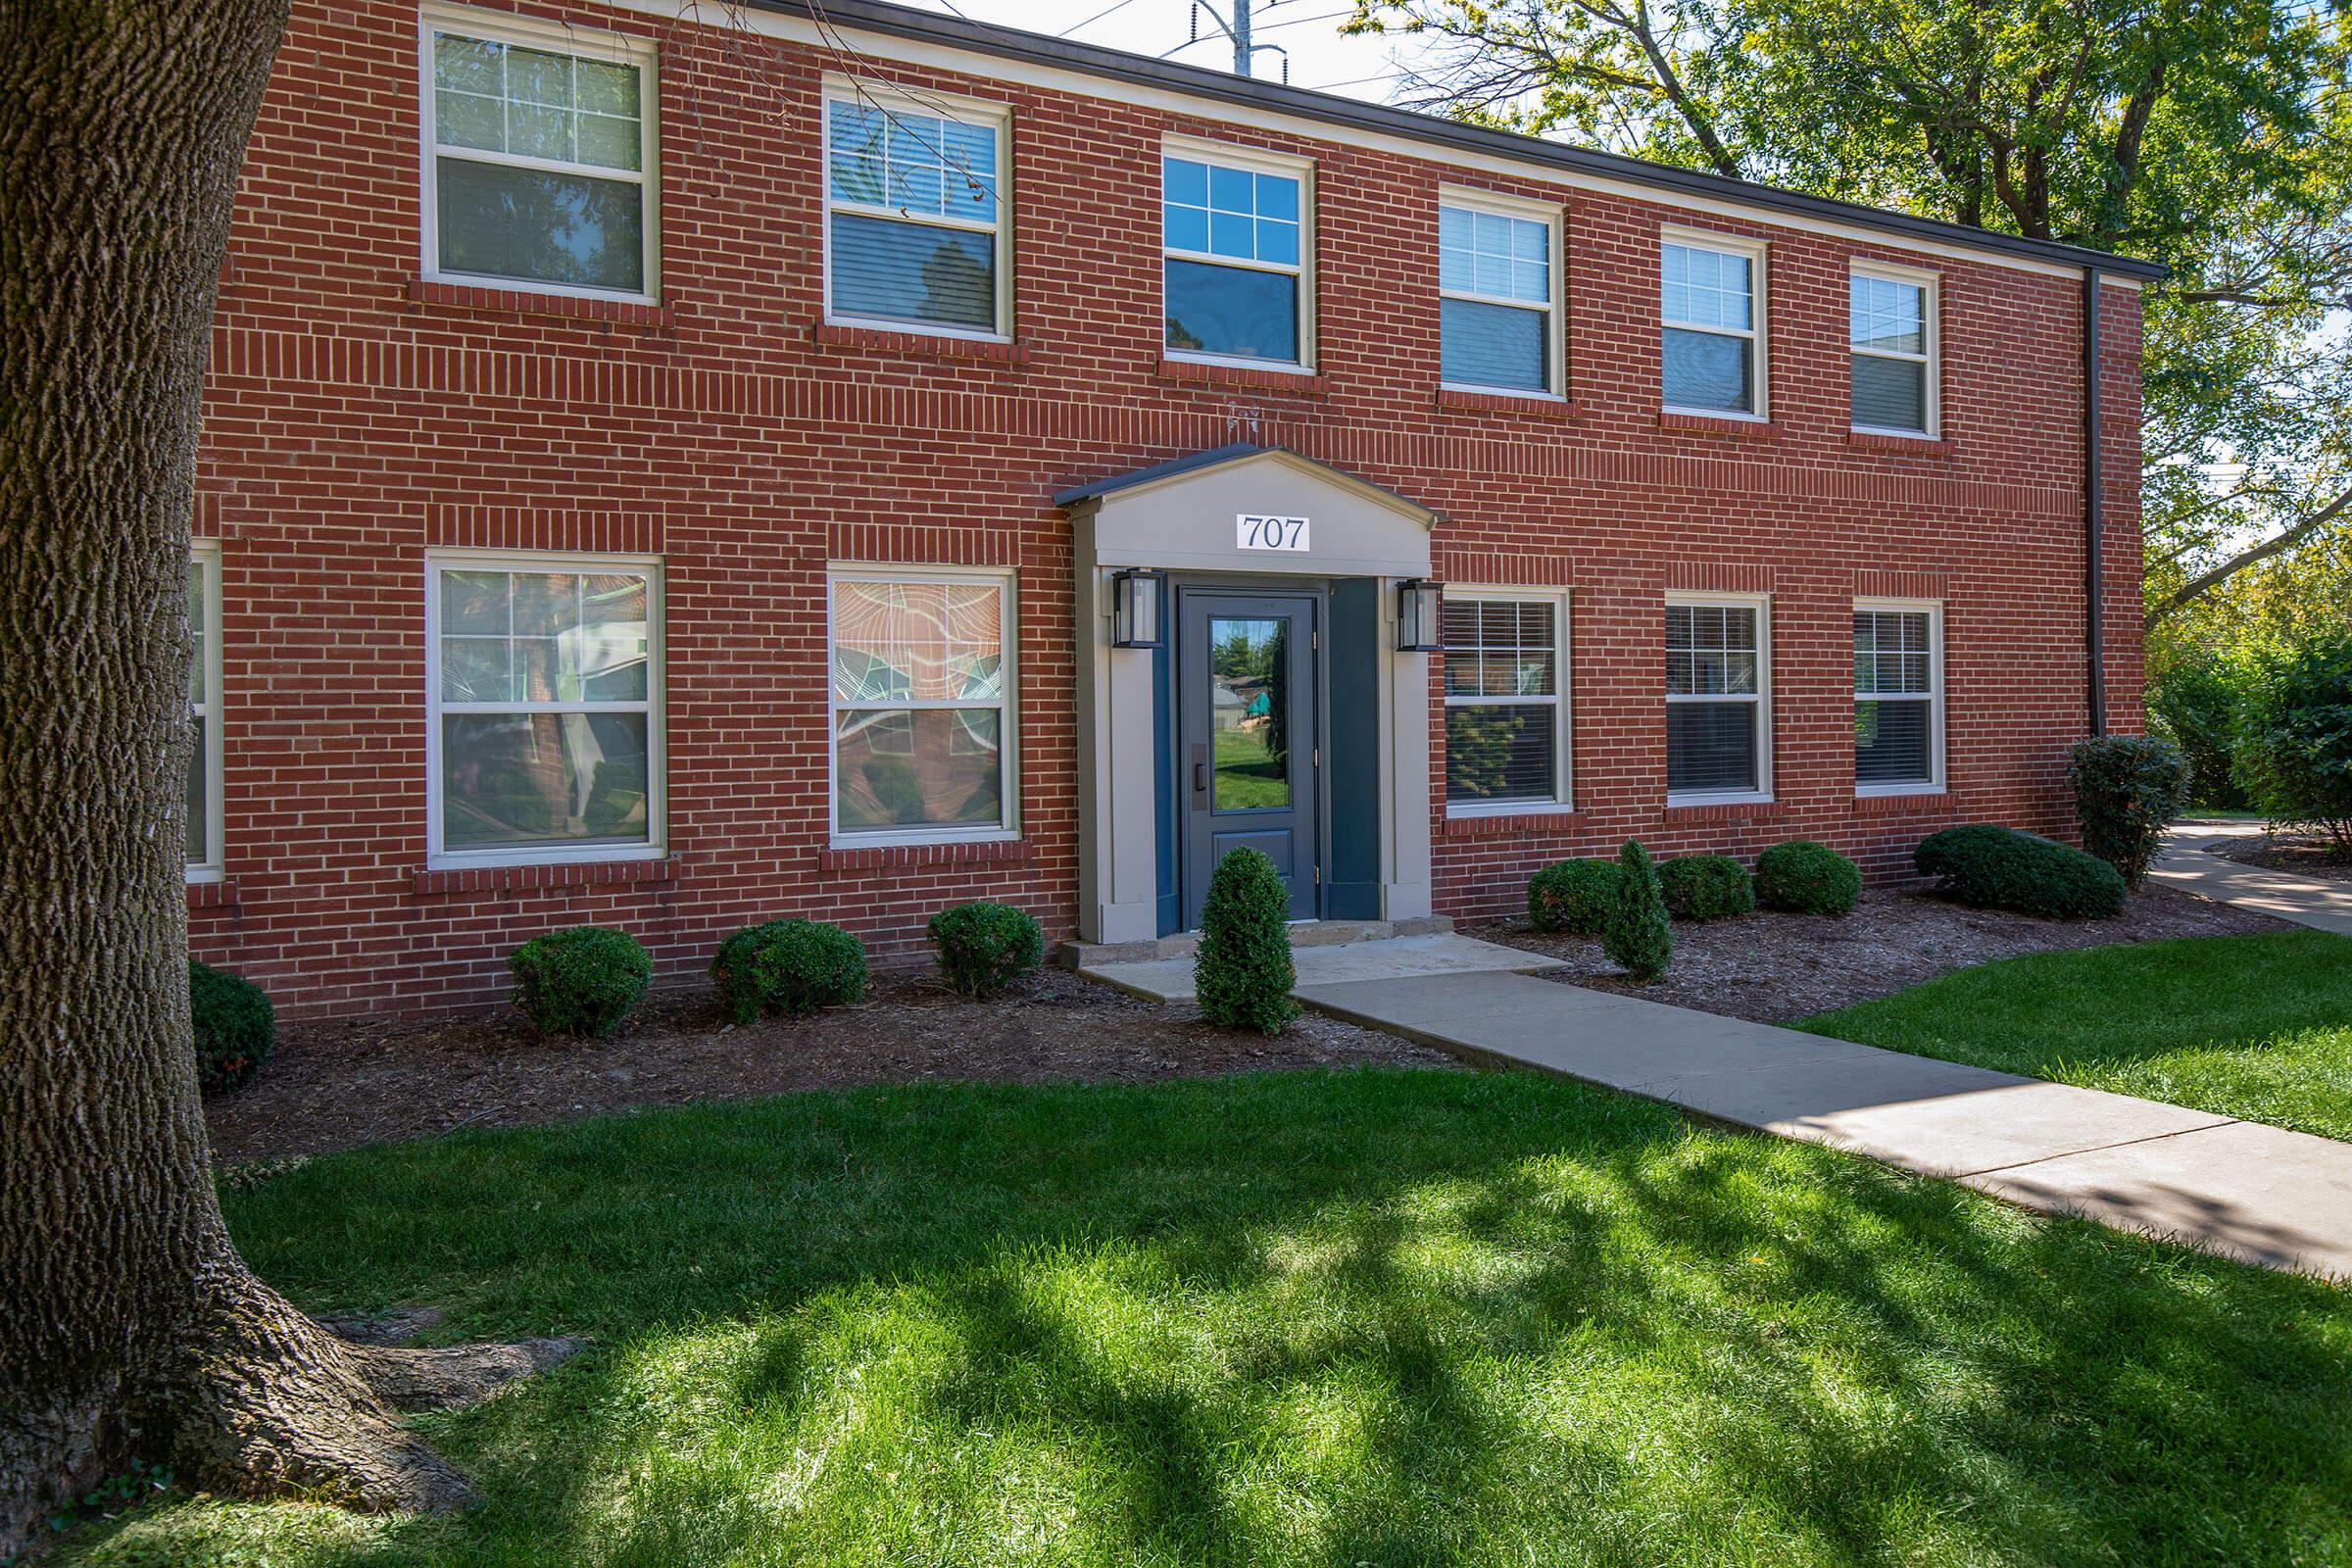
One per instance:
[(131, 1324)]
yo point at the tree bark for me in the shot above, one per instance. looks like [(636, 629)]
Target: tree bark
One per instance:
[(127, 1323)]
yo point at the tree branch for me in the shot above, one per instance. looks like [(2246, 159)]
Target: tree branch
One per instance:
[(2285, 538)]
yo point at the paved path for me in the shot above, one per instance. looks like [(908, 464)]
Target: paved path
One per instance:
[(2241, 1188), (1171, 979), (2308, 900)]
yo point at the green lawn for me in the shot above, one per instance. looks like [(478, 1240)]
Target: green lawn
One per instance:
[(1381, 1317), (2258, 1027)]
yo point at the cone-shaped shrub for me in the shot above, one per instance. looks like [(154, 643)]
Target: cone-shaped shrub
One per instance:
[(1573, 896), (1243, 972), (1639, 937), (236, 1027), (2127, 788), (985, 947), (1706, 887), (583, 982)]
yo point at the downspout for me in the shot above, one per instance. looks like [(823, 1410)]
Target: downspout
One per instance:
[(2094, 635)]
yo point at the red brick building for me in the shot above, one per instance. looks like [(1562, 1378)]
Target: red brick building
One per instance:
[(844, 460)]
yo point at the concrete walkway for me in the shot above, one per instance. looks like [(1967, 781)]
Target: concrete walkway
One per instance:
[(1438, 954), (2305, 900)]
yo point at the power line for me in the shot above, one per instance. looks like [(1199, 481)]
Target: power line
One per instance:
[(1116, 5)]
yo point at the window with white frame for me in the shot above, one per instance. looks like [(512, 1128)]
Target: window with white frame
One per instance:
[(1234, 237), (204, 713), (921, 705), (1718, 697), (544, 715), (1496, 297), (539, 156), (914, 205), (1506, 710), (1891, 334), (1898, 696), (1711, 340)]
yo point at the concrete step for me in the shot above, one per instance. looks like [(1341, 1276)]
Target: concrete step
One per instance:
[(1303, 933)]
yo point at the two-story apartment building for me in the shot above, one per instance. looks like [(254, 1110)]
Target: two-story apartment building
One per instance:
[(673, 467)]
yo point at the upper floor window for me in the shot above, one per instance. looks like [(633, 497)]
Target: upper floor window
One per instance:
[(204, 713), (1898, 696), (1892, 336), (1234, 237), (543, 726), (914, 230), (539, 152), (1507, 720), (1497, 298), (1718, 698), (1710, 306)]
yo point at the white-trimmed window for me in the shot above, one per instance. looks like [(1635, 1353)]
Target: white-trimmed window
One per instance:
[(1891, 334), (1711, 325), (1497, 295), (1718, 698), (923, 704), (544, 734), (539, 156), (1236, 234), (1898, 696), (204, 712), (916, 197), (1506, 704)]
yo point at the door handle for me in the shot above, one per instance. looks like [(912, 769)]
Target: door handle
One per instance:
[(1200, 778)]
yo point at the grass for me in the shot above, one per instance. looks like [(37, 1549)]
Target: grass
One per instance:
[(2257, 1027), (1378, 1317), (1247, 775)]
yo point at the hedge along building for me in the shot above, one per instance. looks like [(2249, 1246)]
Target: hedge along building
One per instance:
[(672, 470)]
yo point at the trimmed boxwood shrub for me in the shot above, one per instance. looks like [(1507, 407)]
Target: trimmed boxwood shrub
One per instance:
[(1803, 877), (2127, 788), (1573, 896), (1243, 972), (789, 967), (2000, 869), (234, 1025), (583, 982), (1639, 937), (1706, 887), (985, 947)]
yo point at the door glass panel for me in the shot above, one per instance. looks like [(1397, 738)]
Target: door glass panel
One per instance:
[(1250, 713)]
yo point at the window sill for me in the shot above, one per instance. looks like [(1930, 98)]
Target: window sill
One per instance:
[(1920, 446), (213, 892), (926, 345), (1725, 808), (1469, 822), (1731, 425), (433, 882), (952, 851), (1200, 372), (1904, 802), (1539, 405), (529, 302)]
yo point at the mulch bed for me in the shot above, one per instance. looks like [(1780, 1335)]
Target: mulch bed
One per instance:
[(365, 1081), (1776, 967), (2304, 854)]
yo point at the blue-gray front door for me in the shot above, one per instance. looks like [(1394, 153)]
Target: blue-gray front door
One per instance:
[(1247, 739)]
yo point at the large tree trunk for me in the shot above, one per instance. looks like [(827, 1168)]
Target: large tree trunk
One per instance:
[(127, 1324)]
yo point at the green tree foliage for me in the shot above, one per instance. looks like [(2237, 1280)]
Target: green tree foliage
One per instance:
[(1639, 939), (2127, 788), (1243, 972), (2294, 739)]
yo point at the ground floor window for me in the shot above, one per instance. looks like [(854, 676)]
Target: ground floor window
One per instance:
[(921, 706), (204, 713), (1718, 698), (545, 695), (1898, 696), (1506, 714)]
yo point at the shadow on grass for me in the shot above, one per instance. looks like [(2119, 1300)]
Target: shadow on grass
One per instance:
[(1378, 1317)]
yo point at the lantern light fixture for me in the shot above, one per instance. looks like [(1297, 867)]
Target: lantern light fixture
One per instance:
[(1420, 612), (1136, 601)]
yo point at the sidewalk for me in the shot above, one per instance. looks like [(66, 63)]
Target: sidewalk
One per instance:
[(2307, 901)]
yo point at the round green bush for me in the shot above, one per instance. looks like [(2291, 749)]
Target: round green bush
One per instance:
[(1639, 937), (2294, 739), (985, 947), (789, 967), (2126, 789), (2000, 869), (583, 982), (1803, 877), (1706, 887), (1573, 896), (1242, 971), (236, 1027)]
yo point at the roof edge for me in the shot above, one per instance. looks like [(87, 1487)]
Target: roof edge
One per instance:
[(1098, 490)]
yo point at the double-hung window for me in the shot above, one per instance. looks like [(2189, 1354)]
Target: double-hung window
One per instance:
[(539, 156), (921, 706), (544, 707), (1711, 337), (1891, 334), (1506, 708), (1898, 696), (204, 713), (1718, 698), (914, 213), (1498, 296), (1235, 240)]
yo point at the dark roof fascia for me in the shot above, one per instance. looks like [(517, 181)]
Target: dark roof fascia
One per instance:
[(1011, 43), (1099, 489)]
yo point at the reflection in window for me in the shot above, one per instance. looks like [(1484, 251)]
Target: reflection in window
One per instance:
[(913, 206), (1250, 714), (1707, 349), (1503, 700), (919, 705), (1714, 699), (1494, 300), (1233, 240), (1888, 337)]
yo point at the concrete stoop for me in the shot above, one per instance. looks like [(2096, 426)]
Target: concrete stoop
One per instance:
[(1303, 933)]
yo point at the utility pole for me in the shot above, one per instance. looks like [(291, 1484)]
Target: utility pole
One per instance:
[(1238, 29)]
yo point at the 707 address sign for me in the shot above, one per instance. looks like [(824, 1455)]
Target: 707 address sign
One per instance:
[(1251, 531)]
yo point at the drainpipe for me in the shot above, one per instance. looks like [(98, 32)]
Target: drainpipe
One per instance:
[(2093, 507)]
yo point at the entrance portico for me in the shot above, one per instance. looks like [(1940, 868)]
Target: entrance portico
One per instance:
[(1275, 708)]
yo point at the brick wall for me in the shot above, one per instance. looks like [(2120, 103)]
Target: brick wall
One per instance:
[(357, 417)]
